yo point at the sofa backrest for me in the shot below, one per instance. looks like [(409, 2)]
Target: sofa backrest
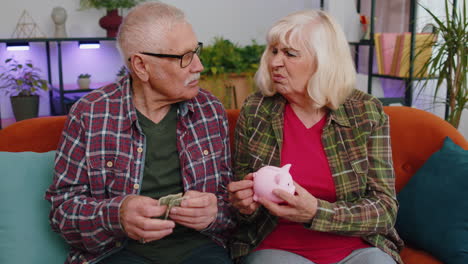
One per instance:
[(415, 135), (232, 114), (40, 134)]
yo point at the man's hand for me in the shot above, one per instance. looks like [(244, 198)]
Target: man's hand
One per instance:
[(241, 195), (136, 216), (300, 208), (198, 210)]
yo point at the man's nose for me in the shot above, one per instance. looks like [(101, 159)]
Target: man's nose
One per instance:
[(196, 65)]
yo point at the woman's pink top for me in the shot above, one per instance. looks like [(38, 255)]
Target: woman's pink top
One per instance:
[(302, 147)]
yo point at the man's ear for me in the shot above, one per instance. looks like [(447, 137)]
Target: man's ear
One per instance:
[(139, 67)]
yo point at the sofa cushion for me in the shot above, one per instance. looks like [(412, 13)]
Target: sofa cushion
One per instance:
[(433, 205), (25, 234)]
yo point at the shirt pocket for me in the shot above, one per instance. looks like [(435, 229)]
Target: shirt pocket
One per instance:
[(108, 174), (206, 148), (204, 164), (361, 170)]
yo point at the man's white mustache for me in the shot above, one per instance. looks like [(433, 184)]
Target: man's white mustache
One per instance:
[(194, 77)]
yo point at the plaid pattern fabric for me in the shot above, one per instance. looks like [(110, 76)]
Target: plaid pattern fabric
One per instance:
[(100, 161), (356, 139)]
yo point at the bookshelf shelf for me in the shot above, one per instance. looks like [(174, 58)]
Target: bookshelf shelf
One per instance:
[(22, 40), (407, 99), (77, 91), (364, 42), (392, 100), (402, 78)]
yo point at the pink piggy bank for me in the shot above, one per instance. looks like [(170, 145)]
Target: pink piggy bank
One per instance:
[(269, 178)]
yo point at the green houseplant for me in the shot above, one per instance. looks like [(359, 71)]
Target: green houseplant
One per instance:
[(84, 76), (108, 4), (23, 82), (449, 60), (229, 70), (122, 72), (84, 80)]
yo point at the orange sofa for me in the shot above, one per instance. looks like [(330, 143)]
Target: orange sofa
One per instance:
[(415, 134)]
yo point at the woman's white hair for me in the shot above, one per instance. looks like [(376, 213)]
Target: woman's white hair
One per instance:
[(322, 38), (145, 27)]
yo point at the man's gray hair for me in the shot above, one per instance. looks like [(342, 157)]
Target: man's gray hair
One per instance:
[(145, 28)]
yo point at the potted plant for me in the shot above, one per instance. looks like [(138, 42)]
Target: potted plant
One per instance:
[(122, 72), (84, 80), (112, 20), (449, 60), (229, 70), (23, 82)]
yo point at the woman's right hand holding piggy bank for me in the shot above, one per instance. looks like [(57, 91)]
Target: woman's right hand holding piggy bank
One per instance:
[(241, 195), (245, 194), (274, 188)]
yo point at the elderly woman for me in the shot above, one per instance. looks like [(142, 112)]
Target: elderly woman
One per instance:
[(308, 114)]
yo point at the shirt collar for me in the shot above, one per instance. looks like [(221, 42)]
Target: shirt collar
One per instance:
[(339, 116), (125, 84), (185, 107)]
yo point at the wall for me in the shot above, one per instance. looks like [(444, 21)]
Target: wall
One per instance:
[(240, 20)]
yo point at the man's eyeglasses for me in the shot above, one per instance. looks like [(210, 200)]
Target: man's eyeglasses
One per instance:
[(185, 59)]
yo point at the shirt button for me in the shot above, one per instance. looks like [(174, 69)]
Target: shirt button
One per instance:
[(205, 152), (140, 150), (109, 164), (118, 244), (136, 186)]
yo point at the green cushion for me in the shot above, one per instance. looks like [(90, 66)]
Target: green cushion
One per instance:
[(25, 234), (433, 213)]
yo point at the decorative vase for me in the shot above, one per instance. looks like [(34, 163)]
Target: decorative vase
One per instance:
[(59, 16), (25, 106), (111, 22), (84, 83)]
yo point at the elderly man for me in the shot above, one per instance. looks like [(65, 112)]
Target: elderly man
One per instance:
[(152, 134)]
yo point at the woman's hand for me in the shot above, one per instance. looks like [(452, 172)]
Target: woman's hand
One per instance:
[(300, 207), (241, 195)]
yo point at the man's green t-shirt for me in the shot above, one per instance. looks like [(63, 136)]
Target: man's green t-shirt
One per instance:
[(161, 177)]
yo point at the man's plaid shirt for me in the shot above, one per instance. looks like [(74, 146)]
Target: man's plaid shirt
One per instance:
[(357, 144), (100, 161)]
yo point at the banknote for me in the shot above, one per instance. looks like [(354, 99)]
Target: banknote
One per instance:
[(166, 200), (171, 200)]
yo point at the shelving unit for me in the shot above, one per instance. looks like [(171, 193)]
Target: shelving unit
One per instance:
[(408, 81), (60, 89)]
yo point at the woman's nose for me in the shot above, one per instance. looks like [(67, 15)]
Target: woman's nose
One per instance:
[(276, 60)]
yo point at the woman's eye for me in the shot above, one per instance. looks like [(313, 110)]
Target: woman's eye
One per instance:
[(291, 53), (274, 51)]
